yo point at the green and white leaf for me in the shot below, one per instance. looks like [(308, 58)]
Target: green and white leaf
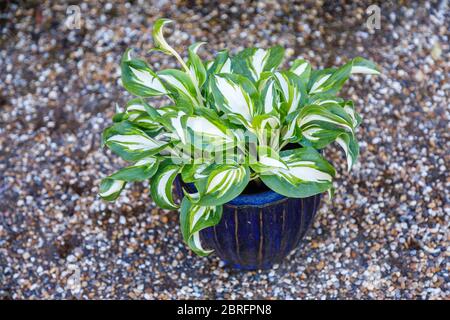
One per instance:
[(178, 123), (265, 60), (221, 64), (194, 171), (195, 64), (289, 130), (137, 111), (308, 174), (193, 219), (130, 142), (252, 62), (206, 131), (146, 122), (223, 183), (318, 80), (332, 80), (166, 109), (268, 160), (364, 66), (236, 96), (322, 125), (180, 83), (135, 108), (269, 97), (302, 69), (349, 108), (291, 92), (139, 79), (267, 129), (320, 137), (320, 99), (351, 148), (142, 170), (327, 116), (110, 189), (161, 185), (159, 41)]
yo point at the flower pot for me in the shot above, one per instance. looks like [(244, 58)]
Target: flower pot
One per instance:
[(259, 230)]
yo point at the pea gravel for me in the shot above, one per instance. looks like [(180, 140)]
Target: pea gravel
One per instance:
[(384, 235)]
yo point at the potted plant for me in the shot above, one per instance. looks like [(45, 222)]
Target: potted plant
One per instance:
[(241, 142)]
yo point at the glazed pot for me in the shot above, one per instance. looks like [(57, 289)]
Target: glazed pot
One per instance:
[(258, 230)]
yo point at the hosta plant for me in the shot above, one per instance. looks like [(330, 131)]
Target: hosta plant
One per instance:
[(232, 123)]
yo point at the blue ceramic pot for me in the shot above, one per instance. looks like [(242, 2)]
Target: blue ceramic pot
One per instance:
[(259, 230)]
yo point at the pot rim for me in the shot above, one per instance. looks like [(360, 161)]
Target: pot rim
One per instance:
[(255, 200), (261, 199)]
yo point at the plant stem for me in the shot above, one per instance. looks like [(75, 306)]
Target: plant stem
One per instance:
[(188, 71), (254, 176)]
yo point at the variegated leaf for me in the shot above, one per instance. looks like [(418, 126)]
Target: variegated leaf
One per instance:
[(143, 169), (145, 122), (364, 66), (180, 84), (135, 108), (308, 174), (330, 116), (161, 185), (269, 97), (320, 137), (350, 110), (267, 129), (265, 60), (289, 130), (292, 92), (221, 64), (320, 99), (110, 189), (166, 109), (302, 69), (252, 62), (193, 219), (139, 79), (319, 79), (322, 125), (332, 80), (235, 96), (130, 142), (138, 113), (223, 184), (195, 64), (208, 65), (177, 125), (208, 132), (351, 148), (267, 161), (194, 171), (120, 115), (159, 41), (151, 119)]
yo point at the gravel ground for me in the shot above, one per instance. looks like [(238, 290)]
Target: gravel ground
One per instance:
[(384, 235)]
